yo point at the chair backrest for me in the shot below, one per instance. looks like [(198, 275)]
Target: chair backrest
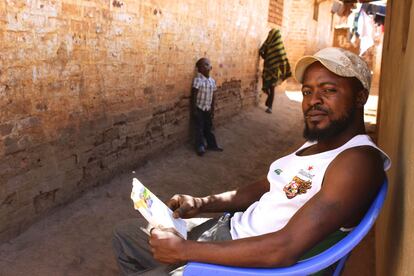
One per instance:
[(305, 267)]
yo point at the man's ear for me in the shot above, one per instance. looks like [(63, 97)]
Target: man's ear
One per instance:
[(362, 97)]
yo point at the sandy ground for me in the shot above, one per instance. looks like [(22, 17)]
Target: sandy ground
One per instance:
[(76, 238)]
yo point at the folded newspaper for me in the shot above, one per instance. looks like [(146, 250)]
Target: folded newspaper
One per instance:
[(154, 210)]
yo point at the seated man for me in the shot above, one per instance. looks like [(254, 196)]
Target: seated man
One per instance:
[(324, 187)]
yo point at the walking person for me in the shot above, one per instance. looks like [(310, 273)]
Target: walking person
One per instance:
[(276, 66)]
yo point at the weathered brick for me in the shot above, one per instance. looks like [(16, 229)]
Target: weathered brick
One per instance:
[(9, 199), (111, 134), (44, 200), (89, 87), (5, 129), (71, 10), (67, 164), (300, 32)]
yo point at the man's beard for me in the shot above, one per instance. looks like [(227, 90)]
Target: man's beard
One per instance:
[(335, 127)]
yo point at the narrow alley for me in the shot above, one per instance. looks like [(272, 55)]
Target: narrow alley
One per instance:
[(76, 238), (96, 93)]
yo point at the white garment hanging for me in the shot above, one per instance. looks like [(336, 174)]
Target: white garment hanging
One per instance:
[(365, 31)]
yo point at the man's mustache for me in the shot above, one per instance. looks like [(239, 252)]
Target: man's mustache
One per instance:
[(317, 108)]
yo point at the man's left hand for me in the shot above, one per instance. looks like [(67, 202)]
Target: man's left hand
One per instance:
[(167, 246)]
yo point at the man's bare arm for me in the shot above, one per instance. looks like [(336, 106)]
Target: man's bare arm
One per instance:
[(238, 200), (351, 183)]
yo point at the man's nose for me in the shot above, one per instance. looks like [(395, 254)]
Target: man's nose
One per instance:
[(316, 98)]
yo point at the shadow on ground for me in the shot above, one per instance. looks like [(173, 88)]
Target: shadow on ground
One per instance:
[(76, 239)]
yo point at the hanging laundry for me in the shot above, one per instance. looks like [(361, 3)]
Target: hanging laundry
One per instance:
[(366, 31), (353, 18), (374, 8), (377, 9), (379, 19), (352, 23)]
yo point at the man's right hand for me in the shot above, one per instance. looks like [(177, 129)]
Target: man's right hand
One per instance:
[(185, 206)]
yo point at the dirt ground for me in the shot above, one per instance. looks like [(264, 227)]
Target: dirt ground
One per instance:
[(76, 238)]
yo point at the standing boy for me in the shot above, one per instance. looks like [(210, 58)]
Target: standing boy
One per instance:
[(203, 107)]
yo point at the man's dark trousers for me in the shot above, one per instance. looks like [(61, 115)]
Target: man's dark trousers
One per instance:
[(270, 96)]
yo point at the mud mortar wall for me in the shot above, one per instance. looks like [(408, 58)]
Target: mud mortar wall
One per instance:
[(91, 88)]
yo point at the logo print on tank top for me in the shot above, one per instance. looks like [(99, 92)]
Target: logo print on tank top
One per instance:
[(278, 171), (300, 183)]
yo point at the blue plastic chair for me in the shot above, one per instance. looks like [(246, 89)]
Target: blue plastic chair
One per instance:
[(338, 252)]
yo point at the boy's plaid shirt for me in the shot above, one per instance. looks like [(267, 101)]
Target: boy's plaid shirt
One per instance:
[(206, 88)]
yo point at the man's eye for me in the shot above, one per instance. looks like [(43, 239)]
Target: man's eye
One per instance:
[(329, 90), (306, 92)]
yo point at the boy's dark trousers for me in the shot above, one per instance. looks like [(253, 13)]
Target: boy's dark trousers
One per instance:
[(203, 125)]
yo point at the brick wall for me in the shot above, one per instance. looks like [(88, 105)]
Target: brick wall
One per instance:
[(302, 35), (275, 15), (91, 88)]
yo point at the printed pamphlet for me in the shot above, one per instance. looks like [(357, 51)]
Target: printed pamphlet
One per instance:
[(154, 210)]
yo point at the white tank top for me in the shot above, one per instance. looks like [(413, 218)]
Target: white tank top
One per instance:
[(300, 178)]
